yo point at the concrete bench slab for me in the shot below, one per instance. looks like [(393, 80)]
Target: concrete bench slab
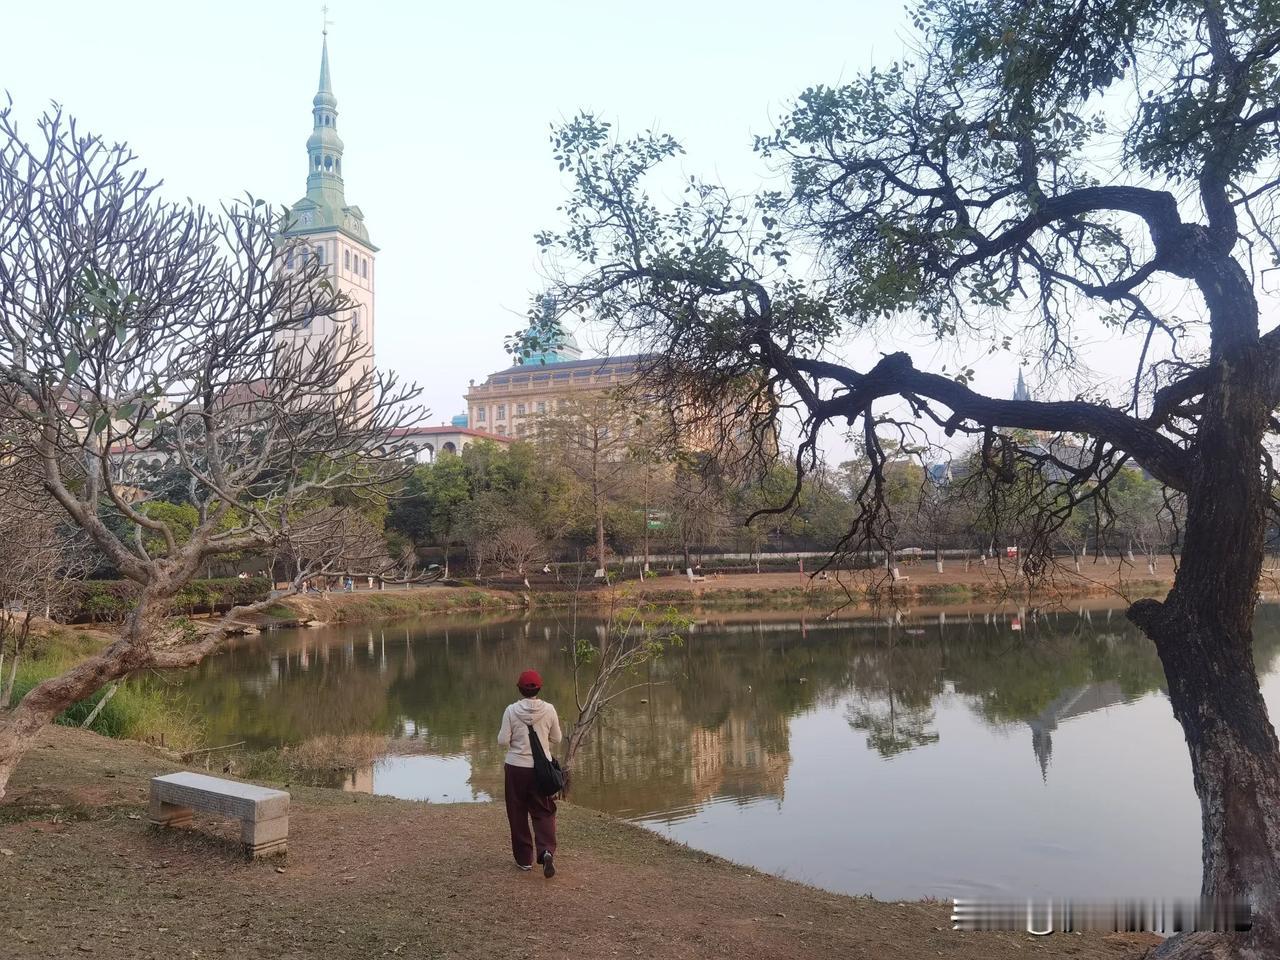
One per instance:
[(263, 813)]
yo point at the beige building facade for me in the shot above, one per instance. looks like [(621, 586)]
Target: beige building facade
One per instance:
[(509, 402)]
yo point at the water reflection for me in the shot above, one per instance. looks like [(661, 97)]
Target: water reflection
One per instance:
[(1018, 751)]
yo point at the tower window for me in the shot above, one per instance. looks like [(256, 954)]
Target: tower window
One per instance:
[(288, 259), (317, 161), (320, 254), (346, 259), (364, 266), (328, 162)]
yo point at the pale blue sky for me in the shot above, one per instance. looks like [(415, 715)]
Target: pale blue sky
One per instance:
[(445, 111)]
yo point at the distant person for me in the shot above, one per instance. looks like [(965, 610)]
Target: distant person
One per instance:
[(524, 802)]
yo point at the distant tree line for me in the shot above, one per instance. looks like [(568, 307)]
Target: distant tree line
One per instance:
[(506, 511)]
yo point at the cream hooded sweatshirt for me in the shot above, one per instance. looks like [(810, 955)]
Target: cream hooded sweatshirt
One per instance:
[(514, 734)]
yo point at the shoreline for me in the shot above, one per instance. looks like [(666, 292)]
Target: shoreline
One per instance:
[(846, 592), (368, 876)]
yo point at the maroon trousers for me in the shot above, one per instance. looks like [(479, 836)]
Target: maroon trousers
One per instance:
[(525, 803)]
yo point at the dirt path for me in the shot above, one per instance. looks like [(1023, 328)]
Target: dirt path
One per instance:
[(81, 874)]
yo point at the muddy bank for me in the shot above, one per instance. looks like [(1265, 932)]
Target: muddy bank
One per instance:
[(992, 583)]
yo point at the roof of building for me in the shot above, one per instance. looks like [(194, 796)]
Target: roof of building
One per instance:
[(589, 365), (446, 430)]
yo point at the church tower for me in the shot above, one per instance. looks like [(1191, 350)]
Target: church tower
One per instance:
[(332, 229)]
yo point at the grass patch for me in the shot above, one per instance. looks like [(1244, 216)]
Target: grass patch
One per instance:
[(135, 712), (319, 762)]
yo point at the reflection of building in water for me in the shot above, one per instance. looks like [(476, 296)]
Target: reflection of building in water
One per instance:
[(730, 760), (1073, 702), (359, 780)]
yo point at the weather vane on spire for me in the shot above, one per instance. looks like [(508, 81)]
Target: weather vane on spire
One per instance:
[(324, 11)]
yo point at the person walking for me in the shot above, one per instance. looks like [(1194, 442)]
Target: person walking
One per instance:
[(524, 802)]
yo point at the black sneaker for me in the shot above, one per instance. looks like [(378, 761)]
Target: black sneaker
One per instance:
[(548, 868)]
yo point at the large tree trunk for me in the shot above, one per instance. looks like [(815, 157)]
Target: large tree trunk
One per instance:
[(600, 567), (1203, 634)]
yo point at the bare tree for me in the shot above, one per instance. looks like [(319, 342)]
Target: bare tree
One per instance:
[(40, 559), (331, 541), (588, 435), (629, 637), (132, 327), (518, 546)]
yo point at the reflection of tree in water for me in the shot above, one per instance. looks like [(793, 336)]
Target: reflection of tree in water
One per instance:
[(715, 723), (273, 692), (895, 691), (891, 728)]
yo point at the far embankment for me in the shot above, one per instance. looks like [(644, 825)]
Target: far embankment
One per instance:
[(958, 583)]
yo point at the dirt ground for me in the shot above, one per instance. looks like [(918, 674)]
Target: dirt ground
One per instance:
[(82, 874)]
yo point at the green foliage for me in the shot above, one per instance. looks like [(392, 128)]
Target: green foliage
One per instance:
[(181, 518), (109, 601)]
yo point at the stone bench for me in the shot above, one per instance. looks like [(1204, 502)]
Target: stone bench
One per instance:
[(263, 813)]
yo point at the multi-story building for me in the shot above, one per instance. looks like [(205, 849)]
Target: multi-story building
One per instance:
[(323, 225), (509, 402)]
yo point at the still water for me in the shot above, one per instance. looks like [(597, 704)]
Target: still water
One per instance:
[(972, 753)]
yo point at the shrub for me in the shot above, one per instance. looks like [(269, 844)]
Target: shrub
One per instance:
[(109, 601)]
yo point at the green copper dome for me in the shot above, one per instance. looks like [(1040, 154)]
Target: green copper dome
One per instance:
[(560, 346)]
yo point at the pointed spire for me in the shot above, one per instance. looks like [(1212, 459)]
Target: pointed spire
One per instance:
[(325, 86), (325, 205), (1020, 392)]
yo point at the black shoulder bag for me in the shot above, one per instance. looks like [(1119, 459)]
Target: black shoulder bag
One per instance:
[(547, 775)]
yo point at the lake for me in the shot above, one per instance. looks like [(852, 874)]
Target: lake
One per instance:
[(953, 754)]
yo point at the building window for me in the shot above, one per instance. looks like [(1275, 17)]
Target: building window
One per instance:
[(320, 254), (542, 406), (480, 415), (364, 267), (502, 411), (288, 259), (355, 322), (346, 259), (519, 409)]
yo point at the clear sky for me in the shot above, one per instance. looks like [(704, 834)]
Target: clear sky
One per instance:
[(445, 113)]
